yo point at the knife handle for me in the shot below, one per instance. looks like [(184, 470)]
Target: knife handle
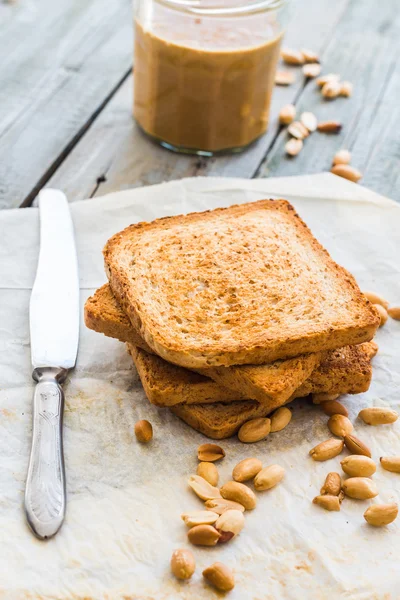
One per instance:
[(45, 496)]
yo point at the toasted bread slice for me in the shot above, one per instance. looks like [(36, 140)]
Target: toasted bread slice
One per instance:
[(166, 384), (347, 371), (273, 382), (247, 284)]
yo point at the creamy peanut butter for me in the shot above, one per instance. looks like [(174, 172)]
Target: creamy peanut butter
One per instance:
[(201, 86)]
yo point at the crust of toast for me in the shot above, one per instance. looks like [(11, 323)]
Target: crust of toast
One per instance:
[(247, 284), (166, 384), (339, 373), (276, 381)]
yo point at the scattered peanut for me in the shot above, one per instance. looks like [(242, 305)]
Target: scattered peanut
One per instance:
[(332, 485), (199, 517), (357, 465), (394, 312), (347, 172), (321, 81), (329, 127), (229, 524), (254, 430), (209, 472), (340, 425), (326, 450), (238, 492), (379, 515), (220, 505), (342, 157), (346, 89), (309, 120), (356, 446), (293, 147), (143, 431), (323, 397), (292, 57), (183, 564), (360, 488), (378, 416), (297, 130), (203, 535), (382, 313), (287, 114), (246, 469), (268, 477), (219, 576), (202, 488), (376, 299), (284, 78), (280, 419), (312, 70), (333, 407), (391, 463), (309, 55), (328, 502), (331, 89), (210, 452)]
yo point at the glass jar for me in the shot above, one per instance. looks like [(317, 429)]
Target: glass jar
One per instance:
[(204, 73)]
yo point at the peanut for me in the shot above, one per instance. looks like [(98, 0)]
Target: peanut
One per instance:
[(331, 89), (356, 446), (321, 81), (333, 407), (298, 130), (293, 147), (391, 463), (340, 425), (254, 430), (347, 172), (378, 416), (220, 505), (202, 488), (280, 419), (383, 314), (376, 299), (329, 127), (328, 502), (312, 70), (360, 488), (346, 89), (210, 452), (284, 78), (332, 485), (209, 472), (203, 535), (323, 397), (143, 431), (394, 312), (309, 55), (381, 514), (199, 517), (287, 114), (268, 477), (219, 576), (292, 57), (342, 157), (183, 564), (246, 469), (358, 466), (326, 450), (309, 120), (229, 524), (238, 492)]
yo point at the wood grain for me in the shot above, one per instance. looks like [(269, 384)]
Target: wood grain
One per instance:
[(63, 60), (114, 155), (365, 51)]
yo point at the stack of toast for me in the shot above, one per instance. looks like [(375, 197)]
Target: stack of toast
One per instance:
[(229, 314)]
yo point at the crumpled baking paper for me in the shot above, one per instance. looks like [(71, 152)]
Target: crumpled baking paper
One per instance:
[(125, 499)]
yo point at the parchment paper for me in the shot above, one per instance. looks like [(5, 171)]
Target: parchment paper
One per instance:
[(125, 499)]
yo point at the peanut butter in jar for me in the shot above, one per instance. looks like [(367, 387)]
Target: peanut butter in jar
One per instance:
[(204, 74)]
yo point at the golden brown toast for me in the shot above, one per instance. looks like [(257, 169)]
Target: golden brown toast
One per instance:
[(347, 371), (247, 284), (275, 382)]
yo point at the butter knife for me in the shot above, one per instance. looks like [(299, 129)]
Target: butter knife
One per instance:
[(54, 332)]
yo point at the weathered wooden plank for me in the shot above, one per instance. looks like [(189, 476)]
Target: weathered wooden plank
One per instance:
[(62, 60), (115, 153), (364, 50)]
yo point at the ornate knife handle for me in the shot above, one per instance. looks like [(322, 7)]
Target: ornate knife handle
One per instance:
[(45, 497)]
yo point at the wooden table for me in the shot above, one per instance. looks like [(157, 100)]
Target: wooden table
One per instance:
[(66, 96)]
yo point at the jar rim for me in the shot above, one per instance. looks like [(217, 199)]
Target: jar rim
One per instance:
[(217, 10)]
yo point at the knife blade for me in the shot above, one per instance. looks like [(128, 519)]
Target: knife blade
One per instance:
[(54, 332)]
